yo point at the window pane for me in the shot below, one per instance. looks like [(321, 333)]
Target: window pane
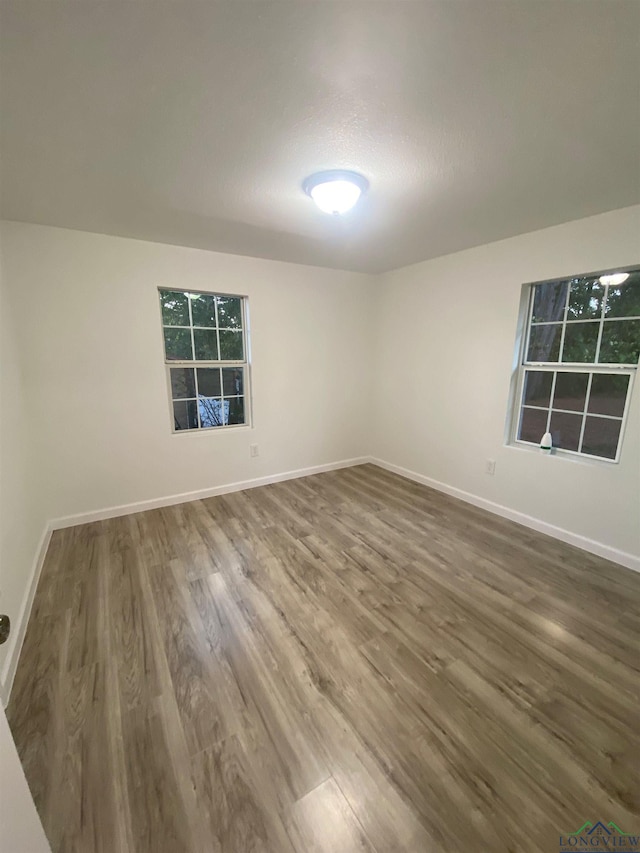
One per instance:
[(182, 382), (565, 430), (537, 388), (209, 382), (544, 343), (533, 425), (624, 301), (213, 412), (206, 345), (585, 299), (570, 391), (580, 341), (185, 414), (203, 309), (177, 345), (236, 410), (601, 437), (620, 342), (549, 301), (232, 381), (175, 308), (608, 394), (229, 312), (231, 346)]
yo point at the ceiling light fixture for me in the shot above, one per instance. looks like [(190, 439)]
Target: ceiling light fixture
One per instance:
[(335, 191), (614, 278)]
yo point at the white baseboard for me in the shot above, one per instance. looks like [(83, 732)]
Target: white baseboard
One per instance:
[(185, 497), (19, 625), (630, 561)]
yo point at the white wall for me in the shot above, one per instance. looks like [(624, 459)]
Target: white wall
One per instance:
[(85, 421), (412, 367), (21, 516), (90, 331), (445, 334)]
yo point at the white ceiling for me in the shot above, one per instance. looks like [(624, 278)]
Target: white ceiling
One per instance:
[(195, 123)]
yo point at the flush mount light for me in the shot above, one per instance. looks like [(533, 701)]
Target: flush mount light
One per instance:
[(614, 278), (335, 191)]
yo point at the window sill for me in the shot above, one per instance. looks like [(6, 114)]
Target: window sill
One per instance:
[(564, 455), (210, 430)]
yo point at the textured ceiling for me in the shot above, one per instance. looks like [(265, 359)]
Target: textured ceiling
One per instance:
[(195, 123)]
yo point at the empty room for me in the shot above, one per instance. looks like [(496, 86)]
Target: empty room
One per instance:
[(319, 426)]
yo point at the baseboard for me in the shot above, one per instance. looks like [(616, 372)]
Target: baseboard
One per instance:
[(630, 561), (19, 625), (185, 497)]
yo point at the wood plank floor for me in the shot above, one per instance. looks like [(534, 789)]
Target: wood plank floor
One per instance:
[(346, 662)]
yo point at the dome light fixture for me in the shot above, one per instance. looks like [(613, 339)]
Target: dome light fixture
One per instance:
[(336, 190), (614, 278)]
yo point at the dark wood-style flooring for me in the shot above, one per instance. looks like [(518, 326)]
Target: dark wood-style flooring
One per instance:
[(346, 662)]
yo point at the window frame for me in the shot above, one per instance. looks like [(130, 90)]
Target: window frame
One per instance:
[(591, 368), (211, 363)]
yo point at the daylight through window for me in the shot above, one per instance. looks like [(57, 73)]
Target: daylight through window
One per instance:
[(205, 347), (578, 363)]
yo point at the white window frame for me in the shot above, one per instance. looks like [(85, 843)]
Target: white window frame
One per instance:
[(591, 368), (173, 363)]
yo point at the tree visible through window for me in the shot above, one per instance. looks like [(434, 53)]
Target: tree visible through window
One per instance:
[(579, 359), (205, 346)]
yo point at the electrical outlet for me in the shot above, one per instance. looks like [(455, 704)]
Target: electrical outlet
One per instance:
[(253, 450), (490, 467)]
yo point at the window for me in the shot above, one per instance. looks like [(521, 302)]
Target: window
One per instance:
[(205, 348), (578, 362)]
